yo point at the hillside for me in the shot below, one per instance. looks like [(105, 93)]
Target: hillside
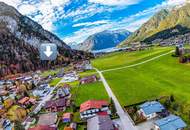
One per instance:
[(103, 40), (163, 20), (20, 38)]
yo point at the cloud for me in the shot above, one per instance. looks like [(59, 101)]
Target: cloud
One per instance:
[(13, 3), (81, 35), (27, 9), (115, 2), (91, 23), (46, 11)]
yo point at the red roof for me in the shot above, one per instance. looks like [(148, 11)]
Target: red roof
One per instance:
[(43, 127), (23, 100), (93, 104), (67, 115)]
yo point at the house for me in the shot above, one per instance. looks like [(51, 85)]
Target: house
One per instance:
[(100, 122), (70, 77), (49, 119), (67, 117), (63, 92), (90, 108), (73, 126), (151, 109), (27, 101), (171, 122), (4, 123), (43, 127), (83, 65), (56, 105), (42, 91), (88, 79)]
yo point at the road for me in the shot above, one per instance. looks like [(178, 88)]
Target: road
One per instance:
[(127, 122)]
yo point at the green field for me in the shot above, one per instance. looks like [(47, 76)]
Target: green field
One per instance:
[(161, 77), (119, 59), (54, 81), (49, 72), (89, 92)]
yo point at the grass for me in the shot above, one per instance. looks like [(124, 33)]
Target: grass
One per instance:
[(163, 76), (89, 91), (50, 72), (54, 81), (119, 59), (87, 73)]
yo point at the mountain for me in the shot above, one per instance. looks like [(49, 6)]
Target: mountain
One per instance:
[(20, 38), (103, 40), (166, 19)]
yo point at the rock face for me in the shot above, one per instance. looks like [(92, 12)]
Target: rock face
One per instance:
[(173, 20), (103, 40), (20, 38)]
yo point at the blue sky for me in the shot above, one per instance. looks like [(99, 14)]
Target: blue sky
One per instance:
[(75, 20)]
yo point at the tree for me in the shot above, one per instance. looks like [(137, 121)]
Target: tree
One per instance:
[(177, 52), (172, 99), (167, 103), (112, 107), (2, 100), (74, 107), (18, 126)]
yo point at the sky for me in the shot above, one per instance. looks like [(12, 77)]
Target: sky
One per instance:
[(75, 20)]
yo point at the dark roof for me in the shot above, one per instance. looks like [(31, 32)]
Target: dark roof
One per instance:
[(47, 119), (58, 103), (88, 77), (100, 122)]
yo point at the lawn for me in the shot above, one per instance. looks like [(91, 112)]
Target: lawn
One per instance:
[(50, 72), (163, 76), (88, 92), (54, 81)]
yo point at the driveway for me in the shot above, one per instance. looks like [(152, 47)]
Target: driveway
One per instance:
[(148, 125)]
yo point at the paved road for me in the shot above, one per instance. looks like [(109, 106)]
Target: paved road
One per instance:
[(127, 123), (46, 98)]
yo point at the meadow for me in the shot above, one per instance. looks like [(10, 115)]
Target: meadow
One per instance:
[(164, 76), (91, 91)]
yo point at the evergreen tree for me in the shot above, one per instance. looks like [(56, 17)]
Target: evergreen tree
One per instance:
[(112, 107), (177, 52), (2, 100), (172, 99)]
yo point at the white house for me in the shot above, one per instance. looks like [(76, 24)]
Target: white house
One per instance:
[(150, 109)]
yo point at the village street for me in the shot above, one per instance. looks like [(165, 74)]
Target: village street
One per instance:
[(44, 100)]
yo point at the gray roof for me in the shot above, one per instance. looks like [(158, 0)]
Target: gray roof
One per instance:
[(100, 122)]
